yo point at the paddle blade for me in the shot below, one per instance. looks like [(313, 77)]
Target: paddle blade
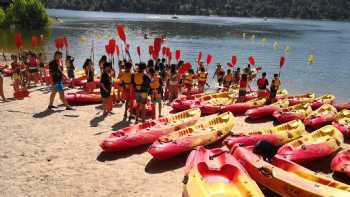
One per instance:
[(164, 50), (199, 57), (138, 51), (34, 41), (234, 60), (229, 65), (209, 59), (65, 42), (107, 49), (117, 50), (150, 50), (282, 62), (157, 44), (258, 69), (121, 32), (251, 60), (18, 40), (177, 55), (185, 67)]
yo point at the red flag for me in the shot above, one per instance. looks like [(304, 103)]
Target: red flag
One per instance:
[(18, 40), (251, 60), (177, 55), (65, 42), (164, 50), (150, 50), (138, 51), (199, 57), (234, 61), (34, 41), (282, 62), (117, 50), (209, 59), (121, 32), (184, 68)]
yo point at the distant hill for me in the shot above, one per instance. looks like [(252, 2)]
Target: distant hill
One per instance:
[(307, 9)]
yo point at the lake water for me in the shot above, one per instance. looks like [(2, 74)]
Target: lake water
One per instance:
[(328, 41)]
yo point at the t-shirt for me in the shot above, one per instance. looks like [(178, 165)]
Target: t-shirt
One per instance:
[(262, 83), (55, 72), (243, 84), (107, 82)]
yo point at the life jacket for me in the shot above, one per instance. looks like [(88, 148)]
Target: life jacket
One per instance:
[(276, 83), (202, 77), (138, 81), (262, 82), (188, 79), (154, 85), (228, 79), (126, 79), (243, 84)]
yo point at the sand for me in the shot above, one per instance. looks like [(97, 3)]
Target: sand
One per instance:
[(58, 154)]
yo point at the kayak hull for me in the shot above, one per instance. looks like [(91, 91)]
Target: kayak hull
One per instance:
[(83, 98), (341, 162)]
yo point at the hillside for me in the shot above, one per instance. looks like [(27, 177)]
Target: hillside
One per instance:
[(307, 9)]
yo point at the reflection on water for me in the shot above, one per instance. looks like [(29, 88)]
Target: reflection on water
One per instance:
[(222, 37)]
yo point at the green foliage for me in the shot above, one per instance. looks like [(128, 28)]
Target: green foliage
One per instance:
[(311, 9), (28, 14), (2, 16)]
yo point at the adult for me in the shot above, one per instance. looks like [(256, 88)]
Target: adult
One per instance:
[(155, 91), (56, 72), (202, 79), (125, 83), (228, 80), (173, 83), (90, 75), (219, 73), (106, 87), (70, 69), (275, 85), (243, 87), (262, 84), (101, 62)]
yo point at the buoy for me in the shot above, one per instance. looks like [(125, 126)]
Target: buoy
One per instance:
[(311, 59)]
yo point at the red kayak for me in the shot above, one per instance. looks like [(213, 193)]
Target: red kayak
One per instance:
[(181, 105), (341, 162), (318, 144), (306, 98), (342, 122), (266, 111), (295, 112), (238, 108), (341, 106), (83, 98), (148, 132), (325, 99), (81, 81), (323, 116)]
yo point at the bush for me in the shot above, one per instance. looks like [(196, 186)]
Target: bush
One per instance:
[(2, 16), (27, 14)]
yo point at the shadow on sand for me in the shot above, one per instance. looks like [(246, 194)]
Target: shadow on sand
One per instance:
[(155, 166), (106, 156), (95, 121), (46, 113)]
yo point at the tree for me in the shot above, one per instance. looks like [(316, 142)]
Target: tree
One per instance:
[(27, 14), (2, 16)]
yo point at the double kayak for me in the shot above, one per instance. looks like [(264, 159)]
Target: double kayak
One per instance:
[(322, 116), (267, 111), (278, 135), (211, 173), (239, 108), (201, 134), (305, 98), (325, 99), (295, 112), (341, 162), (148, 132), (83, 98), (286, 181), (318, 144), (342, 122)]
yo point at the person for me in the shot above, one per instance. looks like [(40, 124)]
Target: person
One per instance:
[(16, 75), (162, 69), (228, 80), (237, 76), (70, 69), (106, 87), (202, 79), (90, 75), (275, 85), (33, 69), (101, 62), (2, 95), (173, 83), (141, 84), (155, 91), (262, 83), (56, 72), (125, 82), (243, 86), (219, 73), (188, 82)]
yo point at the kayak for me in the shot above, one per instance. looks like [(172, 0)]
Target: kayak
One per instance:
[(342, 122), (238, 108), (148, 132), (81, 81), (214, 105), (266, 111), (341, 162), (306, 98), (278, 135), (322, 116), (295, 112), (312, 146), (7, 72), (83, 98), (341, 106), (283, 182), (201, 134), (281, 94), (325, 99), (211, 173), (21, 94)]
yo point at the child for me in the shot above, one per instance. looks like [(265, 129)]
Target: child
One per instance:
[(106, 87), (202, 79), (90, 74), (141, 83), (275, 85), (125, 81), (173, 83), (228, 80), (188, 82), (262, 83), (243, 86), (219, 73), (155, 91), (70, 69)]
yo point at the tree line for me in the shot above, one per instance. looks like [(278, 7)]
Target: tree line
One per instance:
[(306, 9)]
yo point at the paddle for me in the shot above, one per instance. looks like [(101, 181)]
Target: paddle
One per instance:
[(150, 50), (117, 51), (65, 43), (251, 60), (138, 49), (282, 62), (156, 47), (177, 55), (169, 55), (209, 59), (199, 58), (184, 68), (164, 50)]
